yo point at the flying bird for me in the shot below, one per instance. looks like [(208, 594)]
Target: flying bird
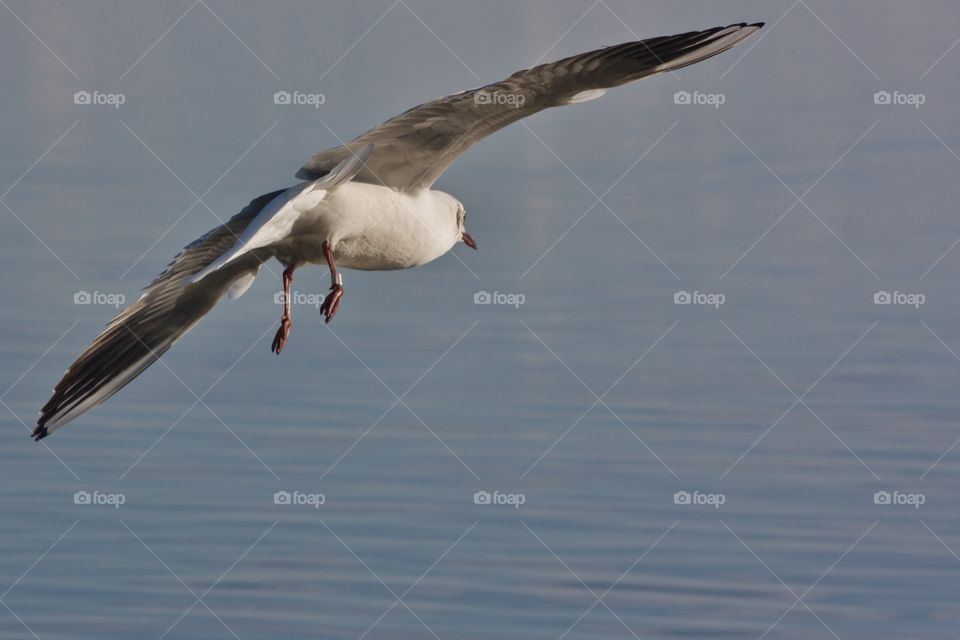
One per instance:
[(367, 204)]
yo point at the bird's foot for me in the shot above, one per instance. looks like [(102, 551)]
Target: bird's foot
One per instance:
[(283, 333), (332, 302)]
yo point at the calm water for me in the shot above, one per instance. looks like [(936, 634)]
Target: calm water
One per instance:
[(597, 402)]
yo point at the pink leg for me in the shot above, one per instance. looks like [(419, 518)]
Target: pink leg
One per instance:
[(332, 302), (286, 322)]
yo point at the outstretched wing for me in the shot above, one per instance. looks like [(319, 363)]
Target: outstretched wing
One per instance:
[(144, 331), (413, 149)]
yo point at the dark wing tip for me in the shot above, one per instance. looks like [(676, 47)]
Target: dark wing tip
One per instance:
[(48, 413)]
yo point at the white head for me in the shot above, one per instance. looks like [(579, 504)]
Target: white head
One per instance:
[(458, 219)]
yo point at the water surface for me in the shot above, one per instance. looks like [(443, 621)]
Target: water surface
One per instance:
[(597, 400)]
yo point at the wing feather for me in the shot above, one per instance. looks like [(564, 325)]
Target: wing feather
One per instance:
[(414, 148), (144, 331)]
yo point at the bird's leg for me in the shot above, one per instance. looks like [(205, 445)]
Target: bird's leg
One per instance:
[(332, 302), (286, 322)]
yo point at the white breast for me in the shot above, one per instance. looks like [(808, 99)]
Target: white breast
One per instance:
[(378, 228)]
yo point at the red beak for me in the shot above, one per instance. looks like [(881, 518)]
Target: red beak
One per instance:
[(468, 240)]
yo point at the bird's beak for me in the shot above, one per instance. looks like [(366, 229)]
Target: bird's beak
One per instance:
[(468, 240)]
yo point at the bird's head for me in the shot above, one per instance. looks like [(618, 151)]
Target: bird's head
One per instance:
[(465, 236), (459, 214)]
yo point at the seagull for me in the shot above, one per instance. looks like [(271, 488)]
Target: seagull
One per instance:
[(367, 204)]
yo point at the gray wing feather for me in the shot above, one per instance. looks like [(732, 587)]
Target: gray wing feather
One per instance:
[(414, 148), (144, 331)]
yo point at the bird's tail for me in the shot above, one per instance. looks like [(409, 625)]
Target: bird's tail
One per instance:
[(141, 333)]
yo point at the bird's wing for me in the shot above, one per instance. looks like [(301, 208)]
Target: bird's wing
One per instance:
[(414, 148), (144, 331)]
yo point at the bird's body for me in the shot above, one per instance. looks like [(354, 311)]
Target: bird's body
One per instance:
[(368, 204), (373, 228)]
